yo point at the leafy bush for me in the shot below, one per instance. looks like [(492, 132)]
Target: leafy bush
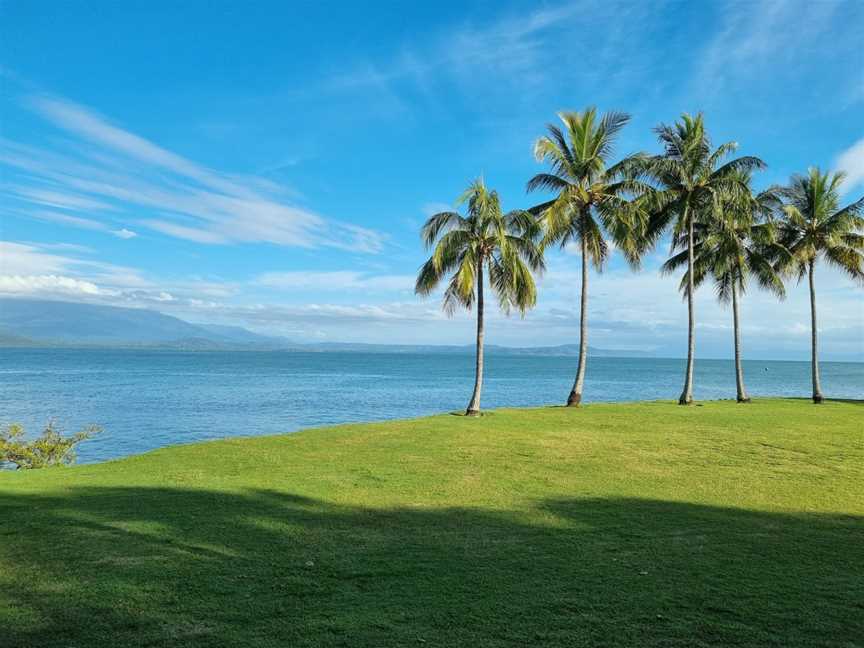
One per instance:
[(50, 448)]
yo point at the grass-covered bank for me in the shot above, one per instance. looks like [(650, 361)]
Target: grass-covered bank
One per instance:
[(640, 524)]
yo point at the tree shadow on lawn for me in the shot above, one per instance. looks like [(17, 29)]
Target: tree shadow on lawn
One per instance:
[(182, 567), (848, 401)]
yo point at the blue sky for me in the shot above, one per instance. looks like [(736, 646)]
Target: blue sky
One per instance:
[(269, 165)]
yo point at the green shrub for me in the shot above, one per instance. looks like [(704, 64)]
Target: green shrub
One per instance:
[(50, 448)]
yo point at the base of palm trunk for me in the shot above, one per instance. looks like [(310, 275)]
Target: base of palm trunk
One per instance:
[(818, 398), (472, 412), (685, 399), (574, 400), (743, 399)]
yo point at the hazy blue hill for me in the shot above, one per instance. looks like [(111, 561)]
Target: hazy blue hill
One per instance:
[(31, 322), (10, 340), (55, 321), (239, 334), (28, 322)]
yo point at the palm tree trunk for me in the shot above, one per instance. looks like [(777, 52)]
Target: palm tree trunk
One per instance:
[(817, 387), (687, 394), (575, 397), (474, 405), (739, 371)]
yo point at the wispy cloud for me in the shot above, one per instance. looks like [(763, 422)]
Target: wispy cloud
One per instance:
[(67, 219), (80, 223), (58, 199), (515, 47), (851, 161), (110, 168), (773, 39), (334, 281)]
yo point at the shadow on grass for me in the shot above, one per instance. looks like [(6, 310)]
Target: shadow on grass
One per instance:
[(848, 401), (182, 567)]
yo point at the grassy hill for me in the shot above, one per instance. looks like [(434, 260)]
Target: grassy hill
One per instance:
[(634, 525)]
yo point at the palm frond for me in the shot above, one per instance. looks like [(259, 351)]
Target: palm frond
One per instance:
[(546, 181), (507, 243)]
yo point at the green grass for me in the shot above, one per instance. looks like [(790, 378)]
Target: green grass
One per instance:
[(635, 525)]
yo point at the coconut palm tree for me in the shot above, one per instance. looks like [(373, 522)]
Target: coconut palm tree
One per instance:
[(732, 249), (816, 227), (591, 204), (485, 241), (691, 183)]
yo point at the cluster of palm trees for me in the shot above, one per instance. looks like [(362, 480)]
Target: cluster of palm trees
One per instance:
[(695, 193)]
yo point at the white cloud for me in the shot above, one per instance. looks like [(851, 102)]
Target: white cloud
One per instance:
[(59, 199), (78, 222), (87, 124), (53, 284), (187, 233), (184, 199), (21, 258), (852, 162), (35, 259), (66, 219)]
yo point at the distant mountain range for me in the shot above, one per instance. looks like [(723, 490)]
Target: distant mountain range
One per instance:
[(28, 322), (43, 323)]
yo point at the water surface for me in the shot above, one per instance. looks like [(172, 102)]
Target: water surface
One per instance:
[(148, 399)]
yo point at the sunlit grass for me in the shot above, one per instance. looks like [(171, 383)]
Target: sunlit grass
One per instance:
[(639, 524)]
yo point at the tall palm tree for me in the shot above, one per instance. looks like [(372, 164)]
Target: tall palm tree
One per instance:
[(732, 249), (691, 183), (816, 227), (592, 196), (486, 240)]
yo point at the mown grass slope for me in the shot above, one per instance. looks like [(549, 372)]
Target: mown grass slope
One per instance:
[(634, 525)]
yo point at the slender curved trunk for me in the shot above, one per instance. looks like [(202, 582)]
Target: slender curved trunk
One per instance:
[(687, 394), (474, 405), (575, 397), (739, 371), (817, 387)]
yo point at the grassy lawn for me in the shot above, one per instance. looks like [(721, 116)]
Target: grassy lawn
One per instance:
[(636, 525)]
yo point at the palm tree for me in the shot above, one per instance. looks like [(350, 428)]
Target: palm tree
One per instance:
[(816, 227), (591, 197), (732, 249), (691, 183), (504, 245)]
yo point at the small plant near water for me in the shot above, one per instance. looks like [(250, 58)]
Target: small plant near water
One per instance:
[(51, 448)]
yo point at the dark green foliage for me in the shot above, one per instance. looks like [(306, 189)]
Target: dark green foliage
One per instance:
[(816, 227), (593, 196), (738, 244), (504, 245)]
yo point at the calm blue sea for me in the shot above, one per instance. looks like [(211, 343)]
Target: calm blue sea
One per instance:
[(148, 399)]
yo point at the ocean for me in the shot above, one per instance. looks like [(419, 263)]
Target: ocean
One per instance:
[(145, 399)]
